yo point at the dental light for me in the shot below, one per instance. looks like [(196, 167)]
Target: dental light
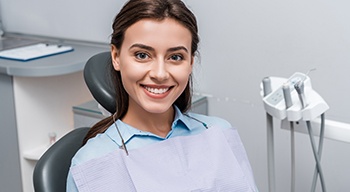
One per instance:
[(292, 100)]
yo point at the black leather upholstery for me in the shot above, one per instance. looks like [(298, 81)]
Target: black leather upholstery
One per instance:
[(97, 78), (51, 170)]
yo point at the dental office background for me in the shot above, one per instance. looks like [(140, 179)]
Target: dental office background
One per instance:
[(241, 43)]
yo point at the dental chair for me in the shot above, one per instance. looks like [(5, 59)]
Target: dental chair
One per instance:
[(51, 170)]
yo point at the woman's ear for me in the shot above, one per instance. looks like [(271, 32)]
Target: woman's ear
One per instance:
[(192, 61), (115, 57)]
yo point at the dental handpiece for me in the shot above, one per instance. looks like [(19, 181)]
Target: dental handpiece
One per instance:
[(299, 87), (287, 95), (267, 86)]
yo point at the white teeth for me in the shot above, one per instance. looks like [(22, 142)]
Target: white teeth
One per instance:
[(156, 90)]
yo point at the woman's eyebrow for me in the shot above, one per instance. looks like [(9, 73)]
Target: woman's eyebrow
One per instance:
[(149, 48), (142, 46), (177, 49)]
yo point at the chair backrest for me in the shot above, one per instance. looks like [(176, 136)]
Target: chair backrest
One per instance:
[(51, 170), (97, 78)]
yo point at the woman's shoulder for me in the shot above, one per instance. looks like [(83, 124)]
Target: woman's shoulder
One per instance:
[(97, 146), (211, 121)]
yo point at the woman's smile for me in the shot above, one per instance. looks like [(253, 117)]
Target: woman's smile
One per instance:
[(156, 90)]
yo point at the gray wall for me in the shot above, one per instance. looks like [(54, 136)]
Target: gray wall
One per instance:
[(241, 42)]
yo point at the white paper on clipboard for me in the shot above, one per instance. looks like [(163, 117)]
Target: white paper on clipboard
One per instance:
[(35, 51)]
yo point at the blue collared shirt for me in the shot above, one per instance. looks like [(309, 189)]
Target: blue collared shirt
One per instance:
[(104, 143)]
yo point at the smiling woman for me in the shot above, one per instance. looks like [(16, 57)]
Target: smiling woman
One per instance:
[(154, 72), (152, 136)]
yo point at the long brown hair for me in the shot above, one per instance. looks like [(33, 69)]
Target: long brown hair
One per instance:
[(133, 11)]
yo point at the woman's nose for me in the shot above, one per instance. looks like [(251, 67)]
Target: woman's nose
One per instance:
[(159, 71)]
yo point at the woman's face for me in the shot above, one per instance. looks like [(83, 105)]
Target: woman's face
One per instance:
[(155, 63)]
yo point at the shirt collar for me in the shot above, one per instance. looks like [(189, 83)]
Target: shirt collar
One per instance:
[(180, 117), (127, 131)]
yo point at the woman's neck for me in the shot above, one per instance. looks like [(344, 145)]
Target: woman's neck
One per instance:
[(157, 123)]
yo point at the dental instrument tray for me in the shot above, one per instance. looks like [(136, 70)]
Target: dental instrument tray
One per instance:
[(36, 51)]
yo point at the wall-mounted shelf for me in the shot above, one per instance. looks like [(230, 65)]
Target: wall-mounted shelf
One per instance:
[(36, 153)]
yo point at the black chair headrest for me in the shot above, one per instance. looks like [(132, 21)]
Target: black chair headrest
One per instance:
[(98, 79)]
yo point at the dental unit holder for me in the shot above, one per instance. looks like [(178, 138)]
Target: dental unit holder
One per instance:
[(293, 100)]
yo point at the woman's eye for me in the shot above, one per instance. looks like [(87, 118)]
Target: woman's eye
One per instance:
[(141, 56), (176, 57)]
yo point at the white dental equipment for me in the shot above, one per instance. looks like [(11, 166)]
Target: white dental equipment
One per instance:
[(293, 100)]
